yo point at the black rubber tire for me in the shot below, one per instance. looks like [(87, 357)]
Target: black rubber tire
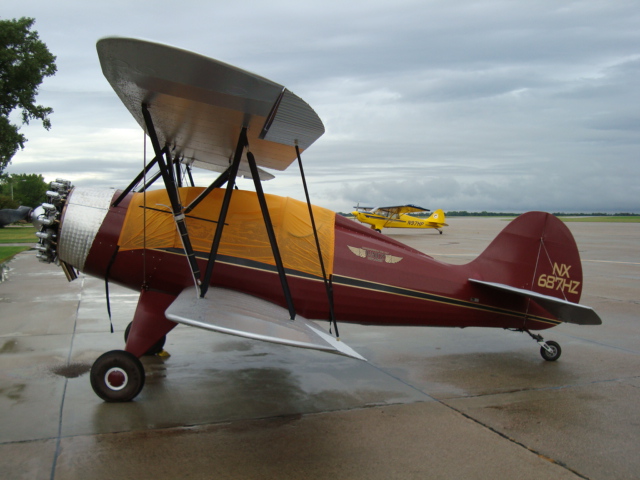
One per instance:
[(117, 376), (155, 349), (551, 357)]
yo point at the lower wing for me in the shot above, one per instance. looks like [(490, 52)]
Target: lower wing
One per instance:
[(236, 313)]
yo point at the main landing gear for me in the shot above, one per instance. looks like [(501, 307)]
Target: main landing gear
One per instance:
[(117, 376), (155, 349), (549, 350)]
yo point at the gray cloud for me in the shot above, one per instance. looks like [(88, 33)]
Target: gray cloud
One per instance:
[(477, 105)]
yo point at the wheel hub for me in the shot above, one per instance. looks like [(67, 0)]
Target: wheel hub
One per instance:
[(116, 378)]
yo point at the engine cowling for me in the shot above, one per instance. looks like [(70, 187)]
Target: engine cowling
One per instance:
[(68, 223)]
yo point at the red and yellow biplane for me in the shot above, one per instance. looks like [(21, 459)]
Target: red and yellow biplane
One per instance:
[(399, 217), (262, 266)]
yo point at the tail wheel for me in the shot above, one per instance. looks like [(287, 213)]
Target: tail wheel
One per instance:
[(154, 349), (554, 354), (117, 376)]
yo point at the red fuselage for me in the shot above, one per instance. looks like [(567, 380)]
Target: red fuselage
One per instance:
[(375, 280)]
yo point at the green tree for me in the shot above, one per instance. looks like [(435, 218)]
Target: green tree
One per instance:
[(29, 190), (6, 202), (24, 62)]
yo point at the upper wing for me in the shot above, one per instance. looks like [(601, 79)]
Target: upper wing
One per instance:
[(400, 209), (236, 313), (363, 209), (563, 310), (199, 105)]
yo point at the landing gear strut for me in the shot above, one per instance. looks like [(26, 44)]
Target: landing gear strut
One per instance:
[(155, 349), (549, 350)]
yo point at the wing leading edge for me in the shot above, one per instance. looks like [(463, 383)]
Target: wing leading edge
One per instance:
[(199, 105), (236, 313), (563, 310), (401, 209)]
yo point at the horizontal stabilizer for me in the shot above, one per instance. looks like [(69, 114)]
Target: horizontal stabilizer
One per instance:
[(563, 310), (236, 313)]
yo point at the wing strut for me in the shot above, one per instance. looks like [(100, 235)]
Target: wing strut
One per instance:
[(217, 183), (150, 182), (188, 169), (222, 217), (229, 176), (136, 180), (271, 234), (174, 197), (178, 172), (327, 284)]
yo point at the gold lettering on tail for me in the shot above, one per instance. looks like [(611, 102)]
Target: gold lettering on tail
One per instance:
[(559, 280)]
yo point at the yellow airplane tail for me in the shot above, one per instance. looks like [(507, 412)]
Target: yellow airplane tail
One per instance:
[(437, 218)]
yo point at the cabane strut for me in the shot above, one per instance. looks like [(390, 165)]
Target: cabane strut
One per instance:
[(171, 175)]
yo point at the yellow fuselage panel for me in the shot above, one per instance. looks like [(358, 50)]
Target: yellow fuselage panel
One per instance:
[(379, 222), (149, 224)]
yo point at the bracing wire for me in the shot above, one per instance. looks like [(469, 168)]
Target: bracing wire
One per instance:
[(327, 281)]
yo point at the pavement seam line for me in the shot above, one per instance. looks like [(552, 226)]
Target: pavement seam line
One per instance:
[(515, 442), (491, 429), (546, 389), (66, 381)]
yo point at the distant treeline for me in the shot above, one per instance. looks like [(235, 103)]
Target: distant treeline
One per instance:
[(464, 213)]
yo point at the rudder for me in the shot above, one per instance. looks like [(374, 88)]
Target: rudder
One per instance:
[(437, 217), (535, 252)]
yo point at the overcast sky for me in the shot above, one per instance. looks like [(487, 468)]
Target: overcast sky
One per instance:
[(463, 105)]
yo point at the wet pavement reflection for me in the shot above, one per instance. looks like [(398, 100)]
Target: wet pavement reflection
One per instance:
[(237, 408)]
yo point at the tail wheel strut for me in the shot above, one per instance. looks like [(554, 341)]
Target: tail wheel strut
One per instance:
[(549, 350)]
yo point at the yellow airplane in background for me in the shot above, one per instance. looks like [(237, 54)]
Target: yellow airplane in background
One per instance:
[(399, 217)]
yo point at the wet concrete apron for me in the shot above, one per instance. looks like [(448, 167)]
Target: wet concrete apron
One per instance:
[(431, 403)]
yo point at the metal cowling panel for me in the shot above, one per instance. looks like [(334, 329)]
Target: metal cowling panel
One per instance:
[(84, 213)]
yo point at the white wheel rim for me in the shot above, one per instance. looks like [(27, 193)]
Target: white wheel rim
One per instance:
[(117, 371)]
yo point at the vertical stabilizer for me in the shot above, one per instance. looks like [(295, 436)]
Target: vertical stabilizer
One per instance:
[(535, 252)]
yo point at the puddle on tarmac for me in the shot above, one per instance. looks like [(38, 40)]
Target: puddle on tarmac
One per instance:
[(72, 370), (10, 346), (14, 392)]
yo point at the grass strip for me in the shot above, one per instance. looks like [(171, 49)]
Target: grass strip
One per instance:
[(18, 235), (620, 219), (7, 253)]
